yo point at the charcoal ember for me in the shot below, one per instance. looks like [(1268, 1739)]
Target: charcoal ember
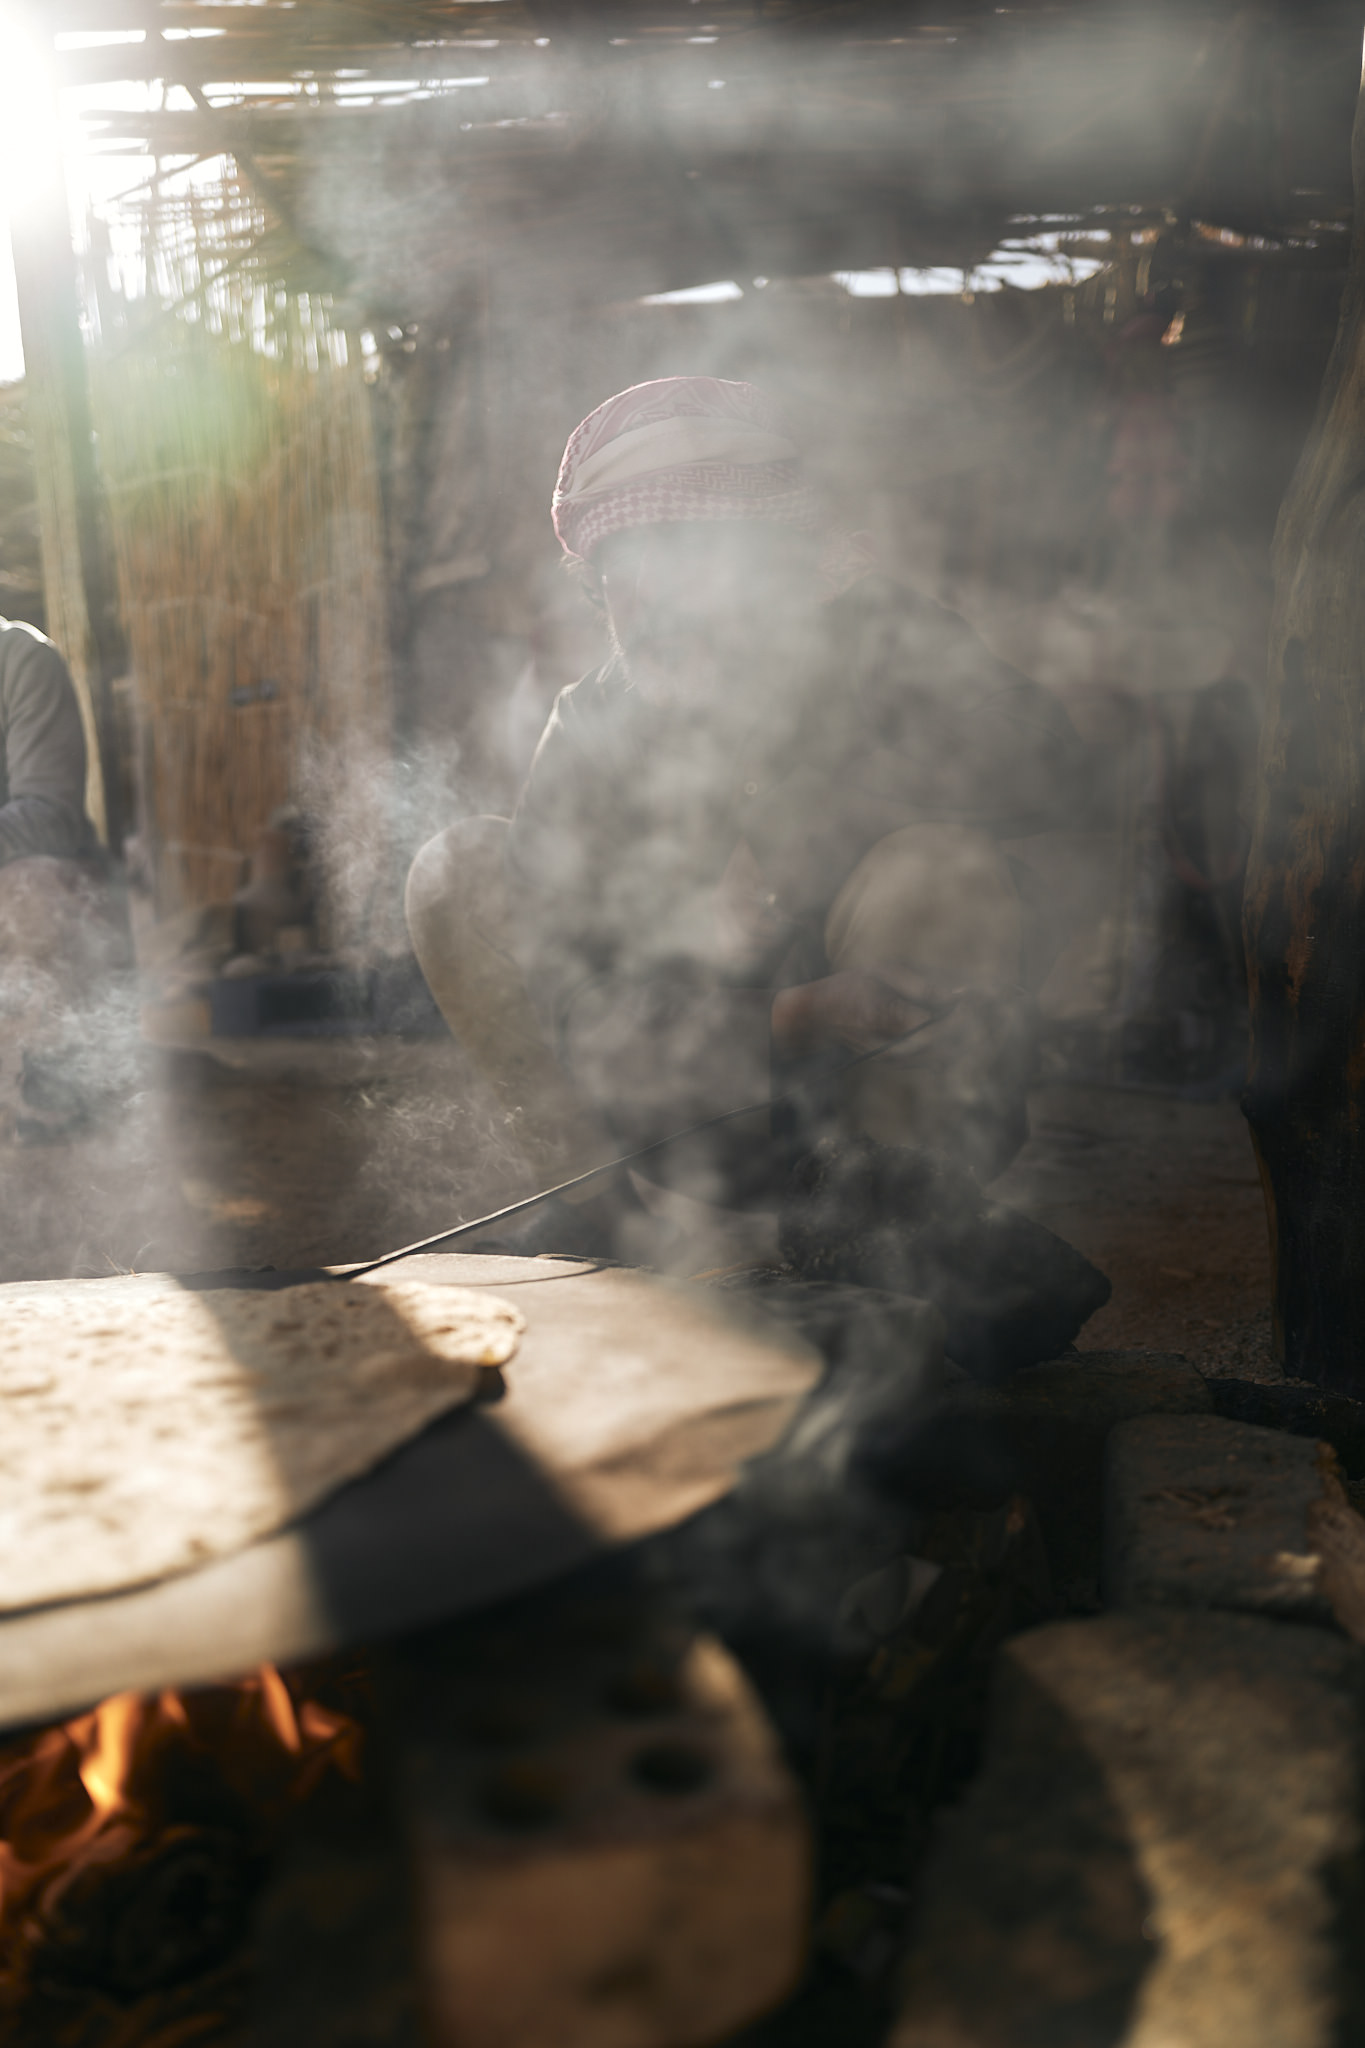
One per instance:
[(171, 1909), (1010, 1291)]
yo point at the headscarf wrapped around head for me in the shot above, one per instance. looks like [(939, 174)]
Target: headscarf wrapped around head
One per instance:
[(688, 448)]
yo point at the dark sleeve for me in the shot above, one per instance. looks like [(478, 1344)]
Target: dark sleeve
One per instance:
[(44, 752)]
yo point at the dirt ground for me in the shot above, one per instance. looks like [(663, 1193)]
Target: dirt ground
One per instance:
[(291, 1153), (304, 1153), (1163, 1195)]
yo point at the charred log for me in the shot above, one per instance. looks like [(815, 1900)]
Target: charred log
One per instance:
[(173, 1909)]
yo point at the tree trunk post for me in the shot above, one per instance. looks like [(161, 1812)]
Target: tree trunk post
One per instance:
[(1305, 897)]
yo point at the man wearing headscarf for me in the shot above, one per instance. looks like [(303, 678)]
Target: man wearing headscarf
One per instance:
[(765, 834)]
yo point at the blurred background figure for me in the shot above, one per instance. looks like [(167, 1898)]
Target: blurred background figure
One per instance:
[(61, 938)]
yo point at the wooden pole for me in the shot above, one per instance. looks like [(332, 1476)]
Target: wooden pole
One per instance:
[(1305, 901), (78, 583)]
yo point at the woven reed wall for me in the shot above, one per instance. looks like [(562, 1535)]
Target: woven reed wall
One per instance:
[(244, 499)]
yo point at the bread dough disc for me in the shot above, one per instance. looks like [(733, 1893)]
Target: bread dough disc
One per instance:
[(146, 1427)]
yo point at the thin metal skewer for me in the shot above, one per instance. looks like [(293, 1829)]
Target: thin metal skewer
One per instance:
[(710, 1123)]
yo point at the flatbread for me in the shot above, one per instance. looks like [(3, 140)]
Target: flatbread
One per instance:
[(145, 1427)]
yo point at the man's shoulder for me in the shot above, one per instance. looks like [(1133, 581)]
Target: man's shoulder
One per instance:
[(18, 637), (600, 686), (24, 648), (598, 703)]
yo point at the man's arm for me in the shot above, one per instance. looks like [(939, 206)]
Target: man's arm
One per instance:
[(44, 752), (852, 1008)]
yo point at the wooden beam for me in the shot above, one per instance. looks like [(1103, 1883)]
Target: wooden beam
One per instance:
[(285, 24), (247, 59)]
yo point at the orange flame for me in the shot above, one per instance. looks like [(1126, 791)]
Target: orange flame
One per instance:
[(92, 1788), (108, 1751), (279, 1708)]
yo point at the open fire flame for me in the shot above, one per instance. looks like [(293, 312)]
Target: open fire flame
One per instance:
[(140, 1769)]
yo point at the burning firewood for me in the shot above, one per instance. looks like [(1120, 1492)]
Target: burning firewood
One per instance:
[(134, 1840)]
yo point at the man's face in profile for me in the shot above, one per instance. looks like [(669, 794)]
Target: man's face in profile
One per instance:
[(700, 608)]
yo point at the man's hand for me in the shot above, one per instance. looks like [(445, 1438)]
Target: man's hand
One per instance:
[(853, 1008)]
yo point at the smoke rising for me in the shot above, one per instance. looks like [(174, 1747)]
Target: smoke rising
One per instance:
[(1085, 470)]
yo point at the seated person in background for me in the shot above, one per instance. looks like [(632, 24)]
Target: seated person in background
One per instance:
[(58, 932), (762, 836), (42, 753)]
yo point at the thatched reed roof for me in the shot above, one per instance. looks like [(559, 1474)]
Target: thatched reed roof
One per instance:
[(575, 149)]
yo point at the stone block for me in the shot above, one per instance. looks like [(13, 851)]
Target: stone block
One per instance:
[(1163, 1849), (1203, 1512), (608, 1850)]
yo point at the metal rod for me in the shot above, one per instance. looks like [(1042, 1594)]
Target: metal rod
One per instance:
[(710, 1123)]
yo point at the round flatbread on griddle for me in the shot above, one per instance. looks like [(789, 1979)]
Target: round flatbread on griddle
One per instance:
[(146, 1427)]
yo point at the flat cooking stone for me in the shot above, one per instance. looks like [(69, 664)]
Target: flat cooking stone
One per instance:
[(1203, 1512), (1161, 1851), (631, 1403)]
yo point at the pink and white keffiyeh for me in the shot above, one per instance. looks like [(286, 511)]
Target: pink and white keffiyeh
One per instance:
[(684, 448)]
